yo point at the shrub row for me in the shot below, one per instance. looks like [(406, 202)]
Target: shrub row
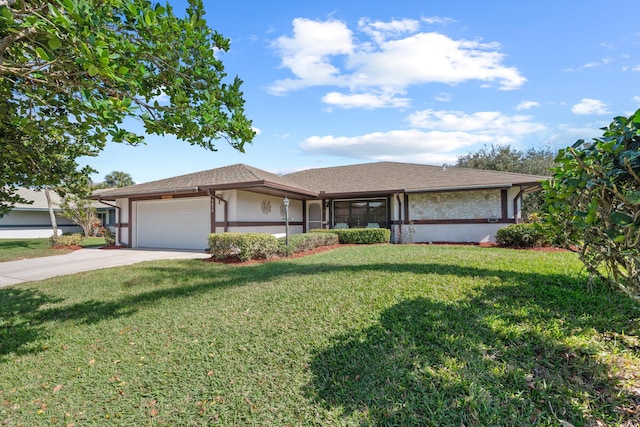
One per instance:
[(246, 246), (365, 236), (524, 235), (243, 246), (66, 240), (307, 241)]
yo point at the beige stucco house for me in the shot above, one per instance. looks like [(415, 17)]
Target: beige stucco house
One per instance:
[(416, 202)]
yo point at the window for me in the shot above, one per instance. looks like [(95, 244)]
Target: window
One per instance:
[(371, 213)]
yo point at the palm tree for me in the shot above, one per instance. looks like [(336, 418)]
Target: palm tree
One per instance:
[(118, 179)]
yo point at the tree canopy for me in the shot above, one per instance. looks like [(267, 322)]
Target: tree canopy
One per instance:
[(71, 71), (534, 161), (593, 202), (504, 158), (117, 179)]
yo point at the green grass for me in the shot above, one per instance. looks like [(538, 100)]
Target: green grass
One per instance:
[(361, 335), (14, 249)]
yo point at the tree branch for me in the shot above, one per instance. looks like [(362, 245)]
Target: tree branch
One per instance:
[(5, 42)]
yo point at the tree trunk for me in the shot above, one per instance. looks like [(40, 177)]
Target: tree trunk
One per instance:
[(54, 223)]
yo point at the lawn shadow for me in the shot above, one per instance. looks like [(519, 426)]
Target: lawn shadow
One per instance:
[(19, 334), (434, 363), (14, 244)]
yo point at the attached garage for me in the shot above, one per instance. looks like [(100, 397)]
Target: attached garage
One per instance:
[(183, 223)]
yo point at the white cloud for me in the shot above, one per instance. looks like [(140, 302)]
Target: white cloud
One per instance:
[(603, 61), (443, 97), (400, 145), (394, 56), (636, 99), (483, 122), (438, 20), (364, 100), (380, 31), (637, 68), (431, 58), (308, 53), (590, 106), (527, 105), (437, 137)]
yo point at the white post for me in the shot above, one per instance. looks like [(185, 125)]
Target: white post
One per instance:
[(286, 222)]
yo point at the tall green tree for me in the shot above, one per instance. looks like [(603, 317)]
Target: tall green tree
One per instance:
[(71, 71), (117, 179), (504, 158), (593, 202)]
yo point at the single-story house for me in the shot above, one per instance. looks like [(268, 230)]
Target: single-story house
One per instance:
[(32, 220), (418, 203)]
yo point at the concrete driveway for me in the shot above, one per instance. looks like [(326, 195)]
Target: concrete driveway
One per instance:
[(27, 270)]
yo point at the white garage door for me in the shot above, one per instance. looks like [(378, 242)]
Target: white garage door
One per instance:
[(175, 223)]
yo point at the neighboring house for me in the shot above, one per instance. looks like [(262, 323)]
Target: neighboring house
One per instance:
[(419, 203), (33, 220)]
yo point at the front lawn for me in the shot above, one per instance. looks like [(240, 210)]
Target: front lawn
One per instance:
[(360, 335), (14, 249)]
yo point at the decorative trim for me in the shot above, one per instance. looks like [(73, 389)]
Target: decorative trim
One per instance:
[(504, 201), (265, 206), (257, 223), (454, 221)]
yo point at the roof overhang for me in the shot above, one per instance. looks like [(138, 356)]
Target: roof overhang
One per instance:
[(263, 187)]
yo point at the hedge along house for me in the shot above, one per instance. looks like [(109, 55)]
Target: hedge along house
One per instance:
[(418, 203)]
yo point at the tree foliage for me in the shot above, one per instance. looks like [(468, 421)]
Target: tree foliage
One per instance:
[(504, 158), (593, 202), (117, 179), (534, 161), (81, 211), (71, 71)]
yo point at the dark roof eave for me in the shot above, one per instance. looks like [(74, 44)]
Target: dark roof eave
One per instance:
[(203, 188), (186, 190), (263, 183), (351, 194)]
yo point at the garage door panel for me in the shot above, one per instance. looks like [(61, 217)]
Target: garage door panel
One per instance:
[(174, 223)]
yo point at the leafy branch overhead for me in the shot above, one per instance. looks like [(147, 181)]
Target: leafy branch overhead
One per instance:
[(71, 71), (593, 202)]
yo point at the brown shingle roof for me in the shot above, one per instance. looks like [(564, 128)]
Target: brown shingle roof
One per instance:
[(234, 176), (368, 178), (394, 177)]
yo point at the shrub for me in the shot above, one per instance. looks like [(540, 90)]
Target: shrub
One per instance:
[(364, 236), (243, 246), (66, 240), (593, 202), (109, 236), (307, 241), (520, 236)]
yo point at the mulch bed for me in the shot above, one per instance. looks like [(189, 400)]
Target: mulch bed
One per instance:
[(236, 261), (72, 247)]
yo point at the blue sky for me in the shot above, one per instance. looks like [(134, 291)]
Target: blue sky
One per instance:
[(330, 83)]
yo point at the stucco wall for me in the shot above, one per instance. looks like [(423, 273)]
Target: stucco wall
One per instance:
[(23, 224), (254, 207), (455, 205)]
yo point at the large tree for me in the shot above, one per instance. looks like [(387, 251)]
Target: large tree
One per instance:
[(71, 71), (504, 158)]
